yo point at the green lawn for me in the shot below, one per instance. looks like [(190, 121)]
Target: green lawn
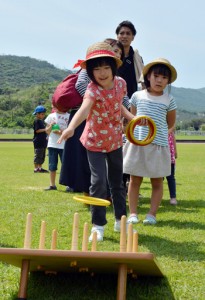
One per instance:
[(30, 136), (16, 136), (190, 137), (177, 239)]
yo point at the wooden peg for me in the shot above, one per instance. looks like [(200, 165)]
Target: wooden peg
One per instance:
[(130, 238), (54, 239), (123, 234), (135, 242), (42, 235), (27, 239), (74, 245), (85, 238)]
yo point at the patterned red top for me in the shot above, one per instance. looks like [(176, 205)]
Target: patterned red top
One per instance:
[(103, 130)]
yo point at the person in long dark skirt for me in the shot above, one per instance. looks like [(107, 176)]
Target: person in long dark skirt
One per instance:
[(75, 170)]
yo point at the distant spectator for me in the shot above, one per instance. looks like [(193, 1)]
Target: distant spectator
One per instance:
[(75, 170), (132, 66), (56, 123), (39, 139)]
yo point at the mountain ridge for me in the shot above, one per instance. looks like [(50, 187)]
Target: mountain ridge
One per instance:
[(24, 71), (21, 72)]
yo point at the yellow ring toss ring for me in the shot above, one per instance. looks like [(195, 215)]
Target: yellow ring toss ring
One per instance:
[(92, 200), (138, 121)]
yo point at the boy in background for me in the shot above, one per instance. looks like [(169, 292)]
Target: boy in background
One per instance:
[(39, 139), (56, 123)]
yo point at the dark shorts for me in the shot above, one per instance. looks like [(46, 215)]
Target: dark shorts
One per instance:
[(53, 154), (39, 156)]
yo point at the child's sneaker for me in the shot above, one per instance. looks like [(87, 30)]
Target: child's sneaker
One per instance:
[(150, 220), (133, 219), (41, 170), (173, 201), (51, 188), (100, 233), (69, 189), (117, 226)]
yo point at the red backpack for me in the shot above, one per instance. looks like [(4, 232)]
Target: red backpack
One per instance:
[(65, 95)]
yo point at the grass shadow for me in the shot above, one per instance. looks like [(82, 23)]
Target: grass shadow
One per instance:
[(181, 224), (63, 286), (182, 251)]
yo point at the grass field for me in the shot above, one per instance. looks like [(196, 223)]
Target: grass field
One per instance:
[(177, 239), (30, 136), (16, 136)]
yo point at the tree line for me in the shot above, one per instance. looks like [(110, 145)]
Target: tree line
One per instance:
[(16, 108)]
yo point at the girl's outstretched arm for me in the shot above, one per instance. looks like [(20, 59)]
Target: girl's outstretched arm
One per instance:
[(126, 114), (79, 117)]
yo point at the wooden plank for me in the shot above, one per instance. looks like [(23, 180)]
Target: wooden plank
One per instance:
[(141, 264)]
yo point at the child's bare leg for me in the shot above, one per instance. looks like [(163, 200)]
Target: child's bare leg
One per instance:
[(37, 166), (157, 192), (52, 178), (133, 193)]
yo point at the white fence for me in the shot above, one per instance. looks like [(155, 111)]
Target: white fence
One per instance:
[(30, 131), (16, 131), (189, 132)]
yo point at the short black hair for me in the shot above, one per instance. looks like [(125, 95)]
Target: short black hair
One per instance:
[(98, 62), (126, 24), (159, 69)]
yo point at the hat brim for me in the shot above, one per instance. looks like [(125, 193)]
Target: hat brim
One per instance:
[(38, 112), (118, 61), (172, 69)]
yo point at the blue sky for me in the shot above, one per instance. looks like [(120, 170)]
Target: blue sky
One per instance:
[(60, 31)]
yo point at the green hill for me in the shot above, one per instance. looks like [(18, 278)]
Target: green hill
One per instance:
[(202, 90), (191, 100), (21, 72), (25, 82)]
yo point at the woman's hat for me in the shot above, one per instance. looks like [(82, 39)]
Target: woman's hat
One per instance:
[(100, 49), (162, 61), (39, 109)]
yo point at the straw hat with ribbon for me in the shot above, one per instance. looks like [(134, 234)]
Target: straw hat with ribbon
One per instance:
[(162, 61), (100, 49)]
